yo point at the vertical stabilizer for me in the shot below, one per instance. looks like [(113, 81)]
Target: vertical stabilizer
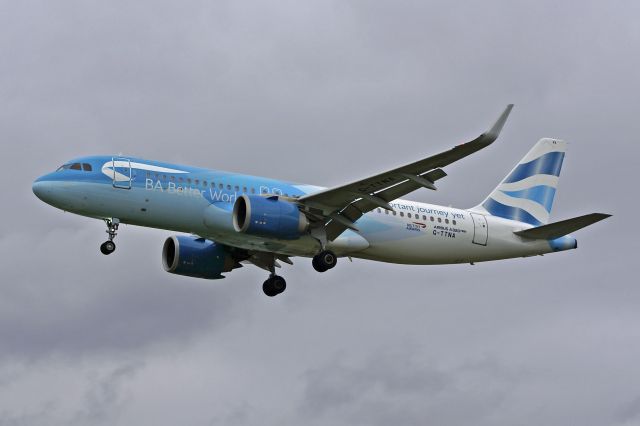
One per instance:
[(527, 193)]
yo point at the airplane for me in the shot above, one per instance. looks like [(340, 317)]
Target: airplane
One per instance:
[(235, 219)]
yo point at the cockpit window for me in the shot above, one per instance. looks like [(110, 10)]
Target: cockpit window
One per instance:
[(75, 166)]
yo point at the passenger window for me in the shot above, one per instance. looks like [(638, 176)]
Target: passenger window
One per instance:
[(204, 183), (237, 188), (439, 220), (86, 167), (386, 211), (189, 181), (221, 186), (75, 166), (446, 221), (409, 215), (173, 178), (197, 181), (244, 189), (424, 217), (432, 219), (164, 177), (253, 190), (401, 214), (180, 180), (394, 212), (228, 187), (454, 221), (379, 211)]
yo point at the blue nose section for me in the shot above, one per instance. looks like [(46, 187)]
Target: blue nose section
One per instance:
[(40, 189), (45, 189)]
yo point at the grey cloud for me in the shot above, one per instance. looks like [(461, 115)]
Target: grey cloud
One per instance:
[(404, 386), (105, 397), (97, 311)]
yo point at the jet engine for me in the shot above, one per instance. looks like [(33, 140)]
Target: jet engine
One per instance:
[(196, 257), (268, 217)]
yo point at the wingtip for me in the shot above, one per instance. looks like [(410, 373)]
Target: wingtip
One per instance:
[(602, 216), (492, 134)]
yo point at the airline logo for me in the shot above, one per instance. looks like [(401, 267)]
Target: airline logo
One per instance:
[(527, 193), (119, 170)]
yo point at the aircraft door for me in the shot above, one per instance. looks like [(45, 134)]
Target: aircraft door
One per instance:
[(121, 172), (480, 229)]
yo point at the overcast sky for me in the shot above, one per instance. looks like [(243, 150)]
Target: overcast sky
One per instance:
[(320, 92)]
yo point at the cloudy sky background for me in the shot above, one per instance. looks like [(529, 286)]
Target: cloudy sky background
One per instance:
[(320, 92)]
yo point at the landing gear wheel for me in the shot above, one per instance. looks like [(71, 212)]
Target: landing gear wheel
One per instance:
[(324, 261), (279, 284), (107, 247), (274, 285)]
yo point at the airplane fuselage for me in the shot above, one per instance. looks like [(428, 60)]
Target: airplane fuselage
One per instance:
[(200, 202)]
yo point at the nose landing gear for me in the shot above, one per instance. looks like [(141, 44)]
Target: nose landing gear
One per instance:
[(109, 246)]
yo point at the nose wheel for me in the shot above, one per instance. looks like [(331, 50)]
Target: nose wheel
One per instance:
[(109, 246), (324, 261)]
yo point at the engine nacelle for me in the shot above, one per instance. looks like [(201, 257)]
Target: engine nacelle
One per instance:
[(268, 217), (195, 257)]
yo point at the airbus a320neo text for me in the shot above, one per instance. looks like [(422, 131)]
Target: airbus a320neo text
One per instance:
[(233, 219)]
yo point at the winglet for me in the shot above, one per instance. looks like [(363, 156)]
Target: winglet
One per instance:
[(493, 133)]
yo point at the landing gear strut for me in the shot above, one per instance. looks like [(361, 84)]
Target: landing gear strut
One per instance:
[(324, 261), (109, 246)]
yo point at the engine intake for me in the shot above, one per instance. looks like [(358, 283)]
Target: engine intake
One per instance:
[(268, 217), (196, 257)]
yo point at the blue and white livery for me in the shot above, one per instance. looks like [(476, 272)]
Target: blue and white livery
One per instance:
[(230, 219), (527, 193)]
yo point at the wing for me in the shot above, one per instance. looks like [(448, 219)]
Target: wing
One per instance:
[(341, 206)]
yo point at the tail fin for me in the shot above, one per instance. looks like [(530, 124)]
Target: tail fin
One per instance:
[(527, 193)]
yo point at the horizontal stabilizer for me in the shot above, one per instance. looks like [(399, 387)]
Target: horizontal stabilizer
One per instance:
[(562, 228)]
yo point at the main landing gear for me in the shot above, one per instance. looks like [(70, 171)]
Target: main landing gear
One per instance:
[(274, 285), (109, 246), (324, 261)]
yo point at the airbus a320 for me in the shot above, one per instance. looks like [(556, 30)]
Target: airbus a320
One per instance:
[(234, 219)]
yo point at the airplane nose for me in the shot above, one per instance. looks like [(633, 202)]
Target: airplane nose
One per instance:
[(45, 190), (39, 189)]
